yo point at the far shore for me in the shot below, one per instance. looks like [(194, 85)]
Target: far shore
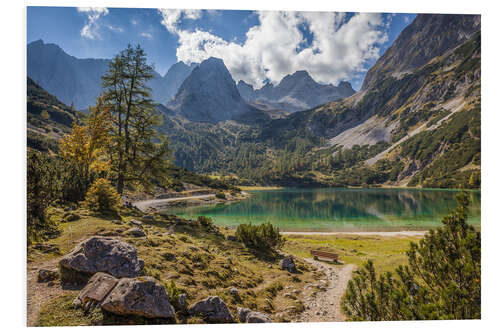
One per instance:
[(407, 233)]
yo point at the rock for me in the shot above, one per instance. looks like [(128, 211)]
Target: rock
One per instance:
[(248, 316), (102, 254), (181, 302), (213, 310), (136, 232), (148, 218), (288, 264), (142, 296), (136, 223), (70, 217), (231, 238), (234, 291), (98, 287), (116, 221), (45, 275)]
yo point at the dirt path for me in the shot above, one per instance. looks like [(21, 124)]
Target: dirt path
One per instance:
[(326, 305), (144, 205), (37, 293)]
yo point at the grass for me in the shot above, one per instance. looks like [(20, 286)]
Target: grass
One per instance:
[(198, 258), (386, 252)]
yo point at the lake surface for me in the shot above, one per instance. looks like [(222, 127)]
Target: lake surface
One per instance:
[(336, 209)]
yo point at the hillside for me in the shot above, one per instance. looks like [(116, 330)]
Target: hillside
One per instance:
[(398, 129), (48, 118)]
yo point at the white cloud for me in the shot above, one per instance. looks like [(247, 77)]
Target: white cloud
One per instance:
[(172, 17), (91, 26), (114, 28), (339, 49), (147, 35)]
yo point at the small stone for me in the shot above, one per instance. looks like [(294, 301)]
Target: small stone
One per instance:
[(136, 232), (148, 218), (136, 223), (288, 264), (231, 238), (45, 275)]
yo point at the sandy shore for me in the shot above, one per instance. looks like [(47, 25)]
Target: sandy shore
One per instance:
[(358, 233)]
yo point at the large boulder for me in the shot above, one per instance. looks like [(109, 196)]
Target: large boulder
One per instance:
[(213, 310), (102, 254), (288, 264), (98, 287), (248, 316), (142, 296)]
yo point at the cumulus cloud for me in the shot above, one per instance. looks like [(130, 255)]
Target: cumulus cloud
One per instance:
[(90, 29), (172, 17), (338, 49)]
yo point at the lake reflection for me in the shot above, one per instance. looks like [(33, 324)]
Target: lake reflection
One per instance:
[(339, 209)]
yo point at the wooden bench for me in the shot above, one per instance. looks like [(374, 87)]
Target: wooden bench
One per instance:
[(324, 255)]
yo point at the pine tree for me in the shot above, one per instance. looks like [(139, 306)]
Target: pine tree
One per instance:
[(441, 281)]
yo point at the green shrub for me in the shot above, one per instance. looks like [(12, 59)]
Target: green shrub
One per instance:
[(220, 195), (205, 221), (102, 197), (263, 236), (441, 281)]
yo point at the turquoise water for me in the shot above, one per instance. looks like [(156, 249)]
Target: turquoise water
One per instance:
[(337, 209)]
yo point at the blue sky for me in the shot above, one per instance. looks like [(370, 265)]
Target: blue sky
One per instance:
[(256, 46)]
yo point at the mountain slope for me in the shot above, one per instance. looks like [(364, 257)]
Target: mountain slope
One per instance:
[(168, 85), (48, 118), (295, 92), (209, 94), (78, 81), (417, 128)]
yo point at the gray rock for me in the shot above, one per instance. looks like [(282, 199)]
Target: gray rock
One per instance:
[(181, 301), (231, 238), (98, 287), (148, 218), (288, 264), (45, 275), (102, 254), (142, 296), (136, 223), (248, 316), (136, 232), (234, 291), (213, 310), (70, 217)]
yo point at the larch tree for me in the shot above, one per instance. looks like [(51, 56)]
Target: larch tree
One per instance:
[(138, 154)]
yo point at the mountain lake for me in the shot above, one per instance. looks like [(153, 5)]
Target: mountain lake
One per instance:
[(340, 209)]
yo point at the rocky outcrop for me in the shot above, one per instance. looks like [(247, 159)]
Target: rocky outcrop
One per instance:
[(103, 254), (213, 310), (142, 296), (248, 316)]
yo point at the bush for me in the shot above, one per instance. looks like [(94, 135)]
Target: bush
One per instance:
[(173, 293), (205, 221), (102, 197), (263, 236), (220, 195), (441, 281)]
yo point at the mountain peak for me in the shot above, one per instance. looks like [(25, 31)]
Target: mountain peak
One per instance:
[(209, 94)]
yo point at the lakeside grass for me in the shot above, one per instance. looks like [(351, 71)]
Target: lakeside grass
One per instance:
[(386, 252)]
